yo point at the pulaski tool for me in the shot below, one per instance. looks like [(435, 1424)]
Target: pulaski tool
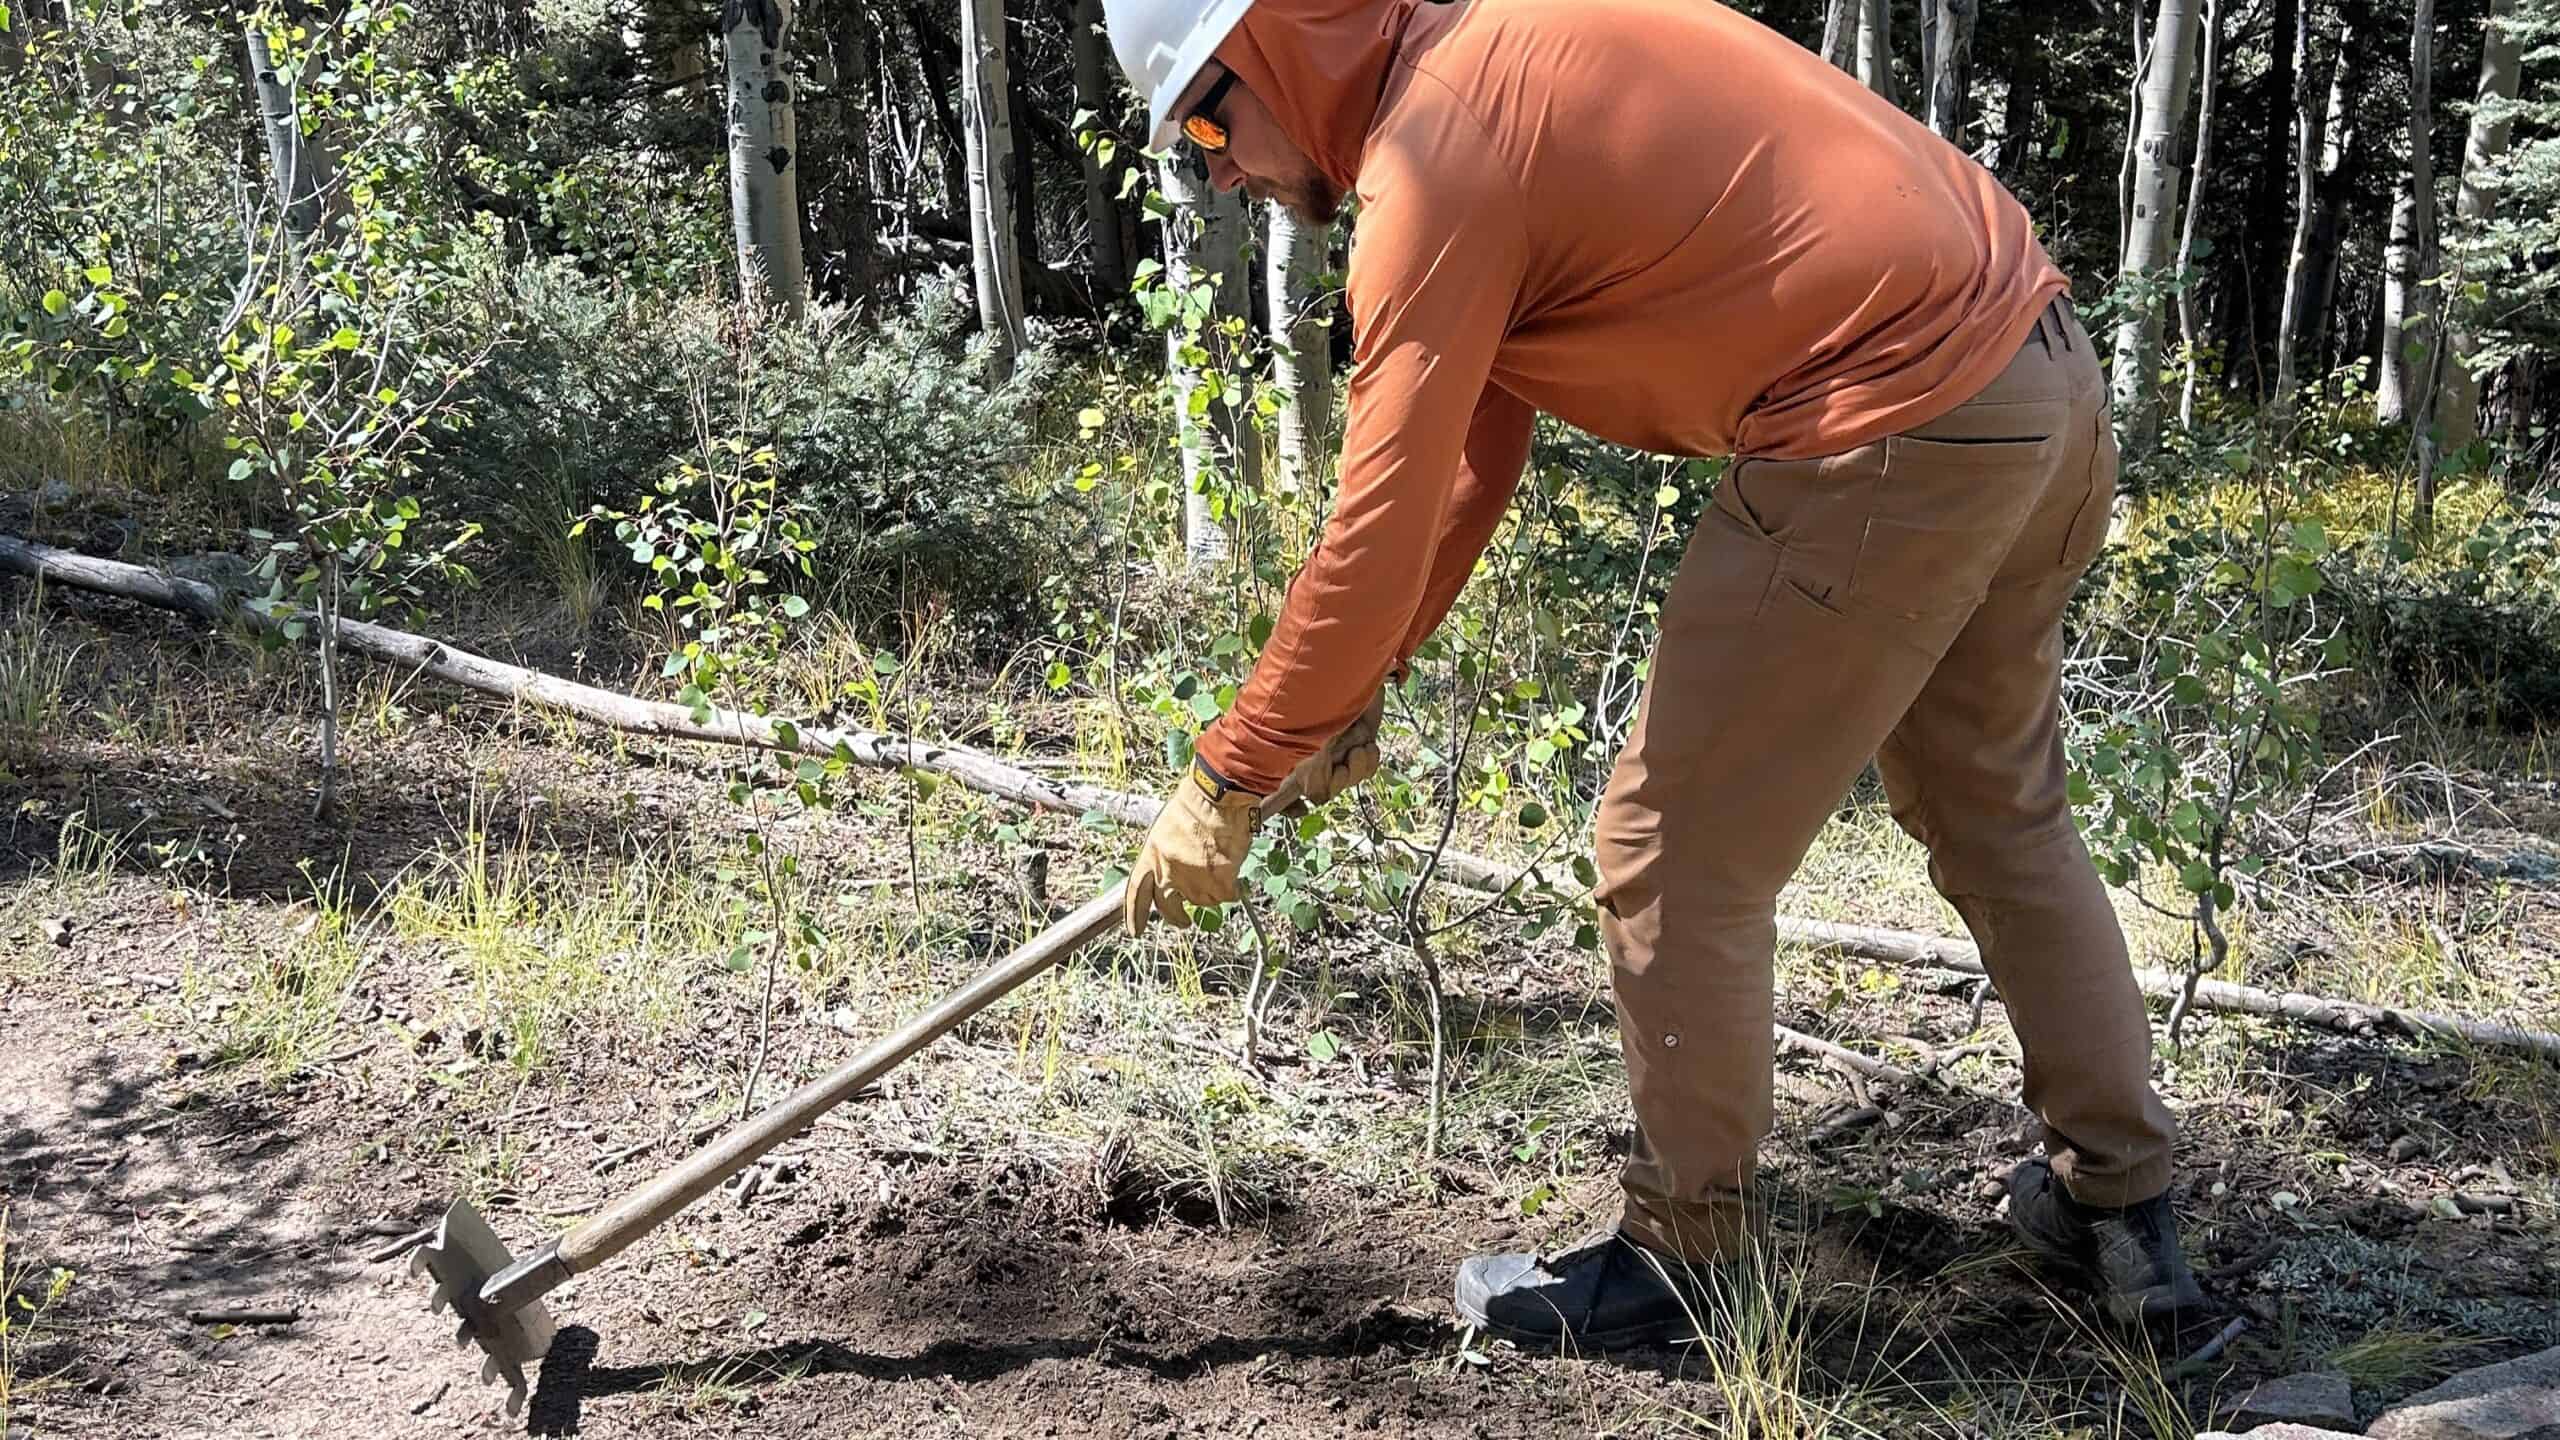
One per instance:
[(496, 1298)]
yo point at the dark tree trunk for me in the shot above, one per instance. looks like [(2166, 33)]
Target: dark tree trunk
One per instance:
[(2270, 216), (850, 233), (1026, 208), (939, 54)]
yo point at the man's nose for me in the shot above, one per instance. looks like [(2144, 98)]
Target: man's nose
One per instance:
[(1224, 173)]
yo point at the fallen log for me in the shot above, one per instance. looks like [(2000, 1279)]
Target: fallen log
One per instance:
[(617, 711), (2352, 1017), (982, 772)]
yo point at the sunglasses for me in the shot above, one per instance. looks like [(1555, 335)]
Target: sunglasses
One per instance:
[(1201, 126)]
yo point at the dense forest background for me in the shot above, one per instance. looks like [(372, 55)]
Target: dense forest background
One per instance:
[(845, 369)]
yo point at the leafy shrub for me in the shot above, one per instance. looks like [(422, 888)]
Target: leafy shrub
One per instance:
[(884, 431)]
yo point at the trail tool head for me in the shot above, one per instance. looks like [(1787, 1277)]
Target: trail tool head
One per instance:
[(463, 1256)]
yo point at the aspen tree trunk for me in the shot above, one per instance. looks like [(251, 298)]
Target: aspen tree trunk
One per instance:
[(764, 169), (293, 165), (1950, 51), (2132, 134), (2153, 223), (1875, 48), (1204, 239), (2299, 270), (1840, 33), (2475, 204), (987, 119), (1025, 200), (2188, 331), (2404, 359), (1301, 343), (2340, 149), (2265, 235), (1101, 207)]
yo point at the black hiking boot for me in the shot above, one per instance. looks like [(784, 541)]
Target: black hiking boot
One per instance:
[(1607, 1293), (2131, 1255)]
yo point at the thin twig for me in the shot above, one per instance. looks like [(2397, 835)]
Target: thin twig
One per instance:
[(1863, 1065), (2211, 1349)]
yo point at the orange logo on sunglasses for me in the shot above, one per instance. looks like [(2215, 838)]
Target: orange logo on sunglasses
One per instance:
[(1204, 132), (1201, 125)]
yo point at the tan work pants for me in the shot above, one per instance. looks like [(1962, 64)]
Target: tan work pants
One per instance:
[(1903, 602)]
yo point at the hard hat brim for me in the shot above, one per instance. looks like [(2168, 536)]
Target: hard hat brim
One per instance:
[(1217, 21)]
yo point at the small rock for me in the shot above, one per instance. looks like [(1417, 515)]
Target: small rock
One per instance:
[(2406, 1149), (1990, 1188), (2519, 1400), (2286, 1431), (2317, 1398), (58, 930)]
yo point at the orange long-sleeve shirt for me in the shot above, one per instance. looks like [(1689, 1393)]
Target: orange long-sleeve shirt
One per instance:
[(1654, 219)]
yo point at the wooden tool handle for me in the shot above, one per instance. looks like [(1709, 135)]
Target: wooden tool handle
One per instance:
[(609, 1231)]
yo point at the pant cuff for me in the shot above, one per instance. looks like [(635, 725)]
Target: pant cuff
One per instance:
[(2118, 1189), (1727, 1227)]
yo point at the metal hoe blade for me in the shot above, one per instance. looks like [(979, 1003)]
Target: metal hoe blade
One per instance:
[(462, 1257)]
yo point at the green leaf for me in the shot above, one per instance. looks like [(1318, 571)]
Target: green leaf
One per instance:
[(1204, 705), (55, 302), (1321, 1046), (1541, 751), (100, 275), (242, 469), (1667, 496), (1533, 816), (346, 338), (794, 606)]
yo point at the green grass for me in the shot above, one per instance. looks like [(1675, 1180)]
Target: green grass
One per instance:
[(277, 1009), (551, 951), (35, 671), (2394, 1359), (27, 1305)]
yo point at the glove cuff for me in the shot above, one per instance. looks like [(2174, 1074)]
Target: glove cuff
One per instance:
[(1221, 792)]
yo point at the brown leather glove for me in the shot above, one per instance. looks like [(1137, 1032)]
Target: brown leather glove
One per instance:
[(1346, 759), (1193, 853)]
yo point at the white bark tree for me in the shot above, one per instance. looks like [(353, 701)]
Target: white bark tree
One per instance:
[(1840, 33), (2410, 259), (2190, 334), (2305, 322), (1947, 46), (1204, 251), (2475, 204), (294, 166), (2310, 142), (1101, 207), (1301, 343), (2153, 225), (987, 120), (764, 168)]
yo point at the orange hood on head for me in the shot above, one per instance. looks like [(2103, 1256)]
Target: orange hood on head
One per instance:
[(1320, 65)]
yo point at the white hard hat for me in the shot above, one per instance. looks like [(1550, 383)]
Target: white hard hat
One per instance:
[(1162, 44)]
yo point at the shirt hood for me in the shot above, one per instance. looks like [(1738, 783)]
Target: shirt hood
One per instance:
[(1320, 66)]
